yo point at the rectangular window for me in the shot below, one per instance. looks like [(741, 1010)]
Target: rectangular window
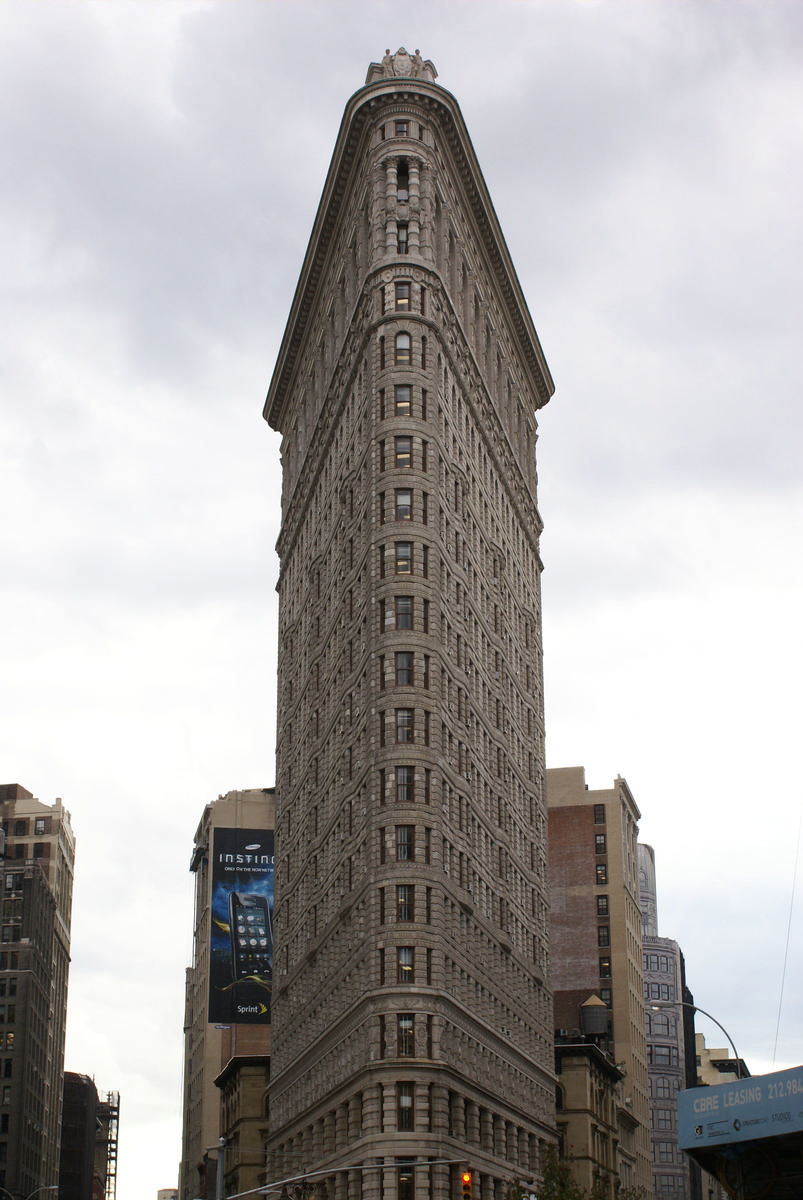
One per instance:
[(404, 612), (425, 509), (426, 616), (382, 454), (405, 725), (602, 873), (606, 996), (424, 404), (599, 814), (605, 968), (403, 352), (404, 558), (405, 843), (599, 843), (381, 508), (603, 935), (404, 504), (404, 1184), (404, 400), (404, 1093), (404, 668), (39, 825), (602, 906), (381, 404), (424, 454), (405, 1035), (405, 785), (404, 452), (401, 238), (405, 902), (402, 297), (401, 128), (405, 964)]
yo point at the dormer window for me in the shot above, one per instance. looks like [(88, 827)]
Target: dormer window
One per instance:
[(402, 181)]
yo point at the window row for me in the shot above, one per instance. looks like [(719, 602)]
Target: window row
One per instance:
[(399, 453), (406, 965), (404, 844), (403, 297), (403, 558), (403, 670), (405, 904), (399, 505), (405, 1034), (404, 784), (400, 726), (399, 613), (400, 128), (402, 402), (659, 991), (403, 353), (659, 962)]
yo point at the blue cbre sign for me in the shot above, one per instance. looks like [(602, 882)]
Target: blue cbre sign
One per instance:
[(759, 1107)]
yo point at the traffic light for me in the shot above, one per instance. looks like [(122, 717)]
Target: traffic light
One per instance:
[(465, 1185)]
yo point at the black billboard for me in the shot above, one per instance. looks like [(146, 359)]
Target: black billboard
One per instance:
[(241, 937)]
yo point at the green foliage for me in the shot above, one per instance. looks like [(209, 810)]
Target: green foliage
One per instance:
[(558, 1183)]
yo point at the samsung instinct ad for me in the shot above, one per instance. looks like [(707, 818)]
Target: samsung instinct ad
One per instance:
[(241, 958)]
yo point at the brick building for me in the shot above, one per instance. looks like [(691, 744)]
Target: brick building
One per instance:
[(596, 941)]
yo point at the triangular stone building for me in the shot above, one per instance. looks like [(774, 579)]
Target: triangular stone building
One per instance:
[(412, 1021)]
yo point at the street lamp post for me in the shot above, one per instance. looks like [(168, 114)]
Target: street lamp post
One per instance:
[(657, 1005), (46, 1187)]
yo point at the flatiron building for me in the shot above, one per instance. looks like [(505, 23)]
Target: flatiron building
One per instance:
[(412, 1029)]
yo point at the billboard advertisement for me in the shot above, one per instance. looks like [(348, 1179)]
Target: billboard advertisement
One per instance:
[(241, 950), (760, 1106)]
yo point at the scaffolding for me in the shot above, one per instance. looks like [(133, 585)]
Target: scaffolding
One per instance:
[(108, 1123)]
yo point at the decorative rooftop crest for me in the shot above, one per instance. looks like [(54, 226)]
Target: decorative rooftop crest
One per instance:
[(402, 65)]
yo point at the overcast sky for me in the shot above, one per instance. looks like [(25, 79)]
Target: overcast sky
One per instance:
[(160, 168)]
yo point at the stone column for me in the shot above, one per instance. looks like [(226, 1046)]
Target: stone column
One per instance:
[(486, 1130), (414, 232)]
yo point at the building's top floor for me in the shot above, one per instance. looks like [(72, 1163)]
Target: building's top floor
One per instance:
[(22, 815), (244, 809), (402, 120)]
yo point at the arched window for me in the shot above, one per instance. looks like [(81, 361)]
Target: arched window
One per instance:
[(403, 350)]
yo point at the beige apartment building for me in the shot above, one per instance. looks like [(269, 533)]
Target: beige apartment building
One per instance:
[(221, 1049), (38, 860), (412, 1018), (597, 941)]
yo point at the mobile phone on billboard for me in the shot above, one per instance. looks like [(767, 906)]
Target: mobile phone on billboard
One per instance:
[(251, 936)]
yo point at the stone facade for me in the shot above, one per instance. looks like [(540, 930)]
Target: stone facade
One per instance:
[(411, 1013)]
